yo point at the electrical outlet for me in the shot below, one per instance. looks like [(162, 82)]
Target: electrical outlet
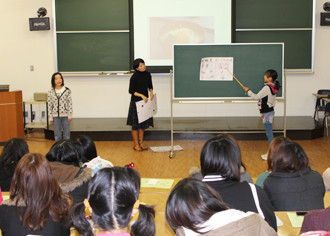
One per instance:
[(31, 68)]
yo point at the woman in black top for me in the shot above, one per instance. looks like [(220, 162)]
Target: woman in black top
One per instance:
[(220, 164), (139, 87)]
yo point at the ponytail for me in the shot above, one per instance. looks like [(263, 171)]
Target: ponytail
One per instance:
[(145, 225), (272, 73), (277, 85), (79, 220)]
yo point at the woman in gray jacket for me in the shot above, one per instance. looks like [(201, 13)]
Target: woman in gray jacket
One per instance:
[(293, 185)]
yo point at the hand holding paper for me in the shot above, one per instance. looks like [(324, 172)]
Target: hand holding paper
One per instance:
[(146, 110)]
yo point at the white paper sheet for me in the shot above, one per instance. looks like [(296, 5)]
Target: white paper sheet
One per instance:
[(146, 110), (216, 69)]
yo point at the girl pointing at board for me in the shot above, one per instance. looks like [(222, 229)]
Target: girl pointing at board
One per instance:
[(266, 102)]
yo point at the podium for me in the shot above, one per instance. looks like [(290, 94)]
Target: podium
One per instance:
[(11, 115)]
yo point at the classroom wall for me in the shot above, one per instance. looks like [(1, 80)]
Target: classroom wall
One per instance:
[(108, 96)]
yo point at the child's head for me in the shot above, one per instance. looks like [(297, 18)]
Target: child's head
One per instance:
[(221, 155), (86, 148), (191, 203), (33, 183), (113, 200), (137, 66), (56, 79), (287, 156), (271, 74), (12, 152), (64, 151), (273, 149)]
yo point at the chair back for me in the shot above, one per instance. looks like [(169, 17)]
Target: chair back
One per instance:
[(319, 102), (327, 109), (323, 91)]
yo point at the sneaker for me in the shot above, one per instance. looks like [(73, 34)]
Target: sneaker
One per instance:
[(264, 156)]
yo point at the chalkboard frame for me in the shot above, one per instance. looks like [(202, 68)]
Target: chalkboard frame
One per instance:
[(191, 57)]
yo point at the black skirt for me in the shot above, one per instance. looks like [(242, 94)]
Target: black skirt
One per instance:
[(133, 121)]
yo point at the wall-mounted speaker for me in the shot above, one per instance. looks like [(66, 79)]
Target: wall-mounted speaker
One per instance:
[(41, 23)]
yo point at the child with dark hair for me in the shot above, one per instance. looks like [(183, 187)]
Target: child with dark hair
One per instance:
[(12, 152), (195, 172), (113, 206), (292, 185), (60, 107), (64, 161), (140, 86), (86, 148), (266, 102), (193, 208), (274, 145), (88, 155), (37, 205), (220, 163)]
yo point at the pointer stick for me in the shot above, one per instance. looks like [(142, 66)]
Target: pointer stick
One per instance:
[(236, 79)]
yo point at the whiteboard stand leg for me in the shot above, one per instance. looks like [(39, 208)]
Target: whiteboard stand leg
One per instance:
[(171, 93), (284, 112), (171, 155)]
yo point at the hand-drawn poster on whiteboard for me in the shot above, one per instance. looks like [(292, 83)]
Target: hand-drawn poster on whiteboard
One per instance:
[(216, 69)]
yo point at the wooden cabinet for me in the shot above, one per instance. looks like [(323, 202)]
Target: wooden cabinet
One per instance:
[(11, 115)]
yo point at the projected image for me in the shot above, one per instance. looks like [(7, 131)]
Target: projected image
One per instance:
[(166, 31)]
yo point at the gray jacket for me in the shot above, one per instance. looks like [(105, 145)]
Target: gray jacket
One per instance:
[(298, 191)]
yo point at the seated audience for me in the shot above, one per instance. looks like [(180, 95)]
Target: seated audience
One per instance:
[(316, 220), (220, 163), (12, 152), (112, 205), (194, 208), (88, 155), (64, 159), (272, 148), (37, 205), (326, 179), (292, 185)]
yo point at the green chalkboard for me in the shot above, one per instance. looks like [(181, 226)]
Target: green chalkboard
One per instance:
[(92, 15), (274, 14), (287, 21), (250, 63), (93, 35), (297, 45), (93, 52)]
